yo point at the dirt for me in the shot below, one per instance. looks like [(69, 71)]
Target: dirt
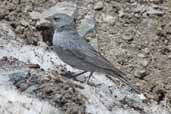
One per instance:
[(52, 87), (16, 12), (139, 43), (130, 34)]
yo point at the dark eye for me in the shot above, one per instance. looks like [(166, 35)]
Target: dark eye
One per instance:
[(56, 18), (75, 20)]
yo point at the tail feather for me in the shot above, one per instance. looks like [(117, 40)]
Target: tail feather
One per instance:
[(121, 76)]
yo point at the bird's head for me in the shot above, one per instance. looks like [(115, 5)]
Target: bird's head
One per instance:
[(61, 20)]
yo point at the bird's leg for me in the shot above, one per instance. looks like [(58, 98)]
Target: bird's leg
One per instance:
[(71, 75), (75, 75), (91, 74)]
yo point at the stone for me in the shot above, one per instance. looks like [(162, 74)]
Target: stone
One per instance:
[(93, 42), (6, 32), (87, 25), (146, 50), (169, 56), (35, 15), (24, 22), (154, 12), (98, 5), (109, 19), (127, 37), (144, 62), (140, 73), (68, 8), (141, 55)]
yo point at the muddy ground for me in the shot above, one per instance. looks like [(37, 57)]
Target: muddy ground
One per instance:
[(135, 35)]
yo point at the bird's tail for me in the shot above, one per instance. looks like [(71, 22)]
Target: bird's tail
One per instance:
[(122, 76)]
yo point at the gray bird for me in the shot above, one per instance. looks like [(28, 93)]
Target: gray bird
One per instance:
[(76, 52)]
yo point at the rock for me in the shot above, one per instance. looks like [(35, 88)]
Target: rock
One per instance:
[(127, 37), (109, 19), (140, 73), (42, 44), (19, 29), (146, 50), (144, 62), (24, 22), (127, 34), (6, 32), (121, 13), (94, 43), (154, 12), (141, 55), (61, 7), (68, 8), (87, 25), (98, 5), (35, 15), (169, 56), (157, 1)]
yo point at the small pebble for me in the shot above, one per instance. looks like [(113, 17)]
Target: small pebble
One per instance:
[(157, 1), (33, 65), (127, 37), (144, 62), (24, 22), (98, 5), (35, 15), (169, 56), (146, 50), (141, 55), (140, 73), (109, 19)]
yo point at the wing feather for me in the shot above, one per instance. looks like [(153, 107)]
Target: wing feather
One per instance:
[(88, 54)]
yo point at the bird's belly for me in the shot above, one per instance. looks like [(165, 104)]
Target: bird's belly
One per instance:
[(71, 60)]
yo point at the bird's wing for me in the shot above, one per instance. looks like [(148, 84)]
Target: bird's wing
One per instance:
[(82, 50), (88, 54), (112, 68)]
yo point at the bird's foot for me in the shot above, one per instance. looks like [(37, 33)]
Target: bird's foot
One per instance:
[(90, 75), (72, 75)]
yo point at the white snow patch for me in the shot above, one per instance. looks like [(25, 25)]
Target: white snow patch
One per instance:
[(13, 102)]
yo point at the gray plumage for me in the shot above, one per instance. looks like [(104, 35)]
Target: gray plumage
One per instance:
[(75, 51)]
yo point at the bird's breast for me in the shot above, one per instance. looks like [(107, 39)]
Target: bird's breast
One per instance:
[(66, 40), (57, 39)]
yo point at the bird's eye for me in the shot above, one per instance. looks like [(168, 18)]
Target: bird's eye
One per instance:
[(56, 18), (75, 20)]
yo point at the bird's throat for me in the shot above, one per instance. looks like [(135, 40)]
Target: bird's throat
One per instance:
[(66, 28)]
